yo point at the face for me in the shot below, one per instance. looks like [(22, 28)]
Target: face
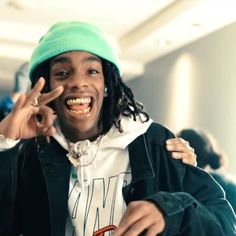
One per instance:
[(80, 105)]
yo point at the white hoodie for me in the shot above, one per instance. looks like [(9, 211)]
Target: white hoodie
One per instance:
[(95, 195)]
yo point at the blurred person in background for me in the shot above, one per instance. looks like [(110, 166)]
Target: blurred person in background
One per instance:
[(21, 86), (211, 158)]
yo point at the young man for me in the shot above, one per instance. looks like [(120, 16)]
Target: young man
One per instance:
[(105, 166)]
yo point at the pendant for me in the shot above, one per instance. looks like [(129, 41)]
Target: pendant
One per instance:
[(82, 153)]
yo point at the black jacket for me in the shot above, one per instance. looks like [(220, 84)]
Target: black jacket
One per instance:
[(229, 185), (35, 180)]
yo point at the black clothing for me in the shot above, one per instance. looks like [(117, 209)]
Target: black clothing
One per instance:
[(229, 187), (35, 182), (6, 105)]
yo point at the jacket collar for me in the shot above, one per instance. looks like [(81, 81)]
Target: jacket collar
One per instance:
[(56, 171), (141, 167)]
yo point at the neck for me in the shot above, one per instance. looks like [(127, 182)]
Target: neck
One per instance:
[(74, 136)]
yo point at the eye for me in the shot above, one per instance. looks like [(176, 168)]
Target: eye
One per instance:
[(61, 74), (93, 71)]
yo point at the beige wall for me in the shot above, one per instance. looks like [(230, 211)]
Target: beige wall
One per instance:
[(195, 86)]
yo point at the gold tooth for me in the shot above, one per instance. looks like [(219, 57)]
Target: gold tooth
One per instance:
[(83, 111), (79, 101)]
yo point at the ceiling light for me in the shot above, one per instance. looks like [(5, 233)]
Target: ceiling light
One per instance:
[(163, 42), (196, 25)]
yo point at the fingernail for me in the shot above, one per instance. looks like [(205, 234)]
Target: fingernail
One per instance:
[(168, 147), (175, 155)]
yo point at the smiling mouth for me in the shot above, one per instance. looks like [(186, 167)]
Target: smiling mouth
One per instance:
[(80, 106)]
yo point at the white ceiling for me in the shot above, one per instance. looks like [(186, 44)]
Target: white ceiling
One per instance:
[(141, 30)]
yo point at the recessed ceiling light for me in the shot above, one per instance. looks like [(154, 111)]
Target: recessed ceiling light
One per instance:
[(163, 42), (196, 24)]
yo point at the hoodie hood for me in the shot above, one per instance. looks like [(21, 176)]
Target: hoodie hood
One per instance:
[(115, 139), (132, 129)]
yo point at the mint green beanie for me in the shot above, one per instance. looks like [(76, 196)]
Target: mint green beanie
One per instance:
[(72, 36)]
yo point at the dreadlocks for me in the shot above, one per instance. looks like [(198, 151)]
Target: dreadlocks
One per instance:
[(120, 99)]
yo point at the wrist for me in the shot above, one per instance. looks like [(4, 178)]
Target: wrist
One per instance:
[(3, 138), (7, 128)]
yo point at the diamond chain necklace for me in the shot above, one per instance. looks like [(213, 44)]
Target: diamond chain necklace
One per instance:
[(77, 152)]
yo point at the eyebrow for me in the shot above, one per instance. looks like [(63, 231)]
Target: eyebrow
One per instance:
[(63, 59)]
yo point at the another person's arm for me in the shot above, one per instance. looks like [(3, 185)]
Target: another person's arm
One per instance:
[(180, 149)]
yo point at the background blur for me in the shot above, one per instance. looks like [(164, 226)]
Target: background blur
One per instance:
[(179, 56)]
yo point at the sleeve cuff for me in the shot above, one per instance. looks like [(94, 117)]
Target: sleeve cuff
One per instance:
[(7, 143)]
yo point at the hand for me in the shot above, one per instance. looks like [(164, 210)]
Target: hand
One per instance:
[(141, 216), (181, 150), (22, 122)]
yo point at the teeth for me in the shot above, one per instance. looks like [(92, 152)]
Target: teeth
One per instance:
[(78, 101), (82, 111)]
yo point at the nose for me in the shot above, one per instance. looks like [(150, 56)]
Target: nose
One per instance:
[(77, 81)]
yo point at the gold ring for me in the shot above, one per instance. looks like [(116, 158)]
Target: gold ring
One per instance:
[(36, 102)]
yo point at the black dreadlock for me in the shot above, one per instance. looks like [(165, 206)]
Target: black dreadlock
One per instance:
[(120, 100)]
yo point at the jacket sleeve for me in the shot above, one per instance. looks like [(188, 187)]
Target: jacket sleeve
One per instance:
[(10, 160), (190, 199), (8, 179), (228, 183), (200, 209)]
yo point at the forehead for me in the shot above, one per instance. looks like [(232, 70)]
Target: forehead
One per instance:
[(75, 55)]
